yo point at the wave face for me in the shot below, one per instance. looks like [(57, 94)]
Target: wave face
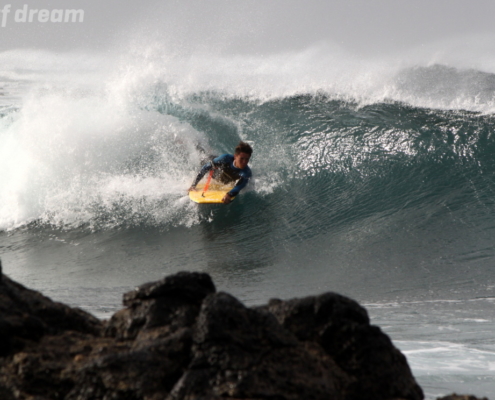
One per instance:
[(363, 190)]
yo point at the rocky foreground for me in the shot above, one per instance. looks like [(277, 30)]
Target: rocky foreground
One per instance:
[(180, 339)]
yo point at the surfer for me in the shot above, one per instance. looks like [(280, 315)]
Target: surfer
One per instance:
[(229, 168)]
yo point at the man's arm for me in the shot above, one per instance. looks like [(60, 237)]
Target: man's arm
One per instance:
[(215, 163), (204, 169), (241, 184)]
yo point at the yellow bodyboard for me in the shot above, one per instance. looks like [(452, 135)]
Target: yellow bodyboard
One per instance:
[(213, 195)]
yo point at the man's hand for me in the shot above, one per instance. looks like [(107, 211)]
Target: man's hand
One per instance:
[(227, 199)]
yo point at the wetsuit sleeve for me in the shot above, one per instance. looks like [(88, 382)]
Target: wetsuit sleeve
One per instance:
[(241, 184), (204, 169)]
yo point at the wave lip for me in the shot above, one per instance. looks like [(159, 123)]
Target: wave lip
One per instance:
[(443, 87)]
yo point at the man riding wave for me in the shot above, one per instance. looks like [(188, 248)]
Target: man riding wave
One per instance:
[(229, 168)]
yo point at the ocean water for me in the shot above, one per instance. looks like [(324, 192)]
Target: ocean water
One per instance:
[(374, 179)]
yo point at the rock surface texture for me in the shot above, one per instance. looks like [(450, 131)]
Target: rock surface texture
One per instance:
[(179, 339)]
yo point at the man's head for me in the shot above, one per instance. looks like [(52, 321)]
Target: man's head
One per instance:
[(242, 155)]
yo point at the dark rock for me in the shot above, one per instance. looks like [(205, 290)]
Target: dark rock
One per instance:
[(177, 339), (144, 371), (173, 302), (190, 287), (341, 327), (308, 316), (27, 315), (244, 353), (460, 397)]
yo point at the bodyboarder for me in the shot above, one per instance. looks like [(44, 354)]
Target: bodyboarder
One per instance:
[(229, 168)]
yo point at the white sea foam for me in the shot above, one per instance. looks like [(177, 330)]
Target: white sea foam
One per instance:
[(447, 358), (77, 147), (323, 67), (440, 366)]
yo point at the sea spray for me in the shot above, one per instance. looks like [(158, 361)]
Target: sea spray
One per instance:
[(66, 148)]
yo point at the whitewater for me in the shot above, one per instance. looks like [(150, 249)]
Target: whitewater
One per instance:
[(373, 178)]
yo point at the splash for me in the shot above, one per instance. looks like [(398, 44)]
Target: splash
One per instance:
[(72, 152)]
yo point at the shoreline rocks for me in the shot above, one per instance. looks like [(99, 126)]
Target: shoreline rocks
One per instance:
[(180, 339)]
